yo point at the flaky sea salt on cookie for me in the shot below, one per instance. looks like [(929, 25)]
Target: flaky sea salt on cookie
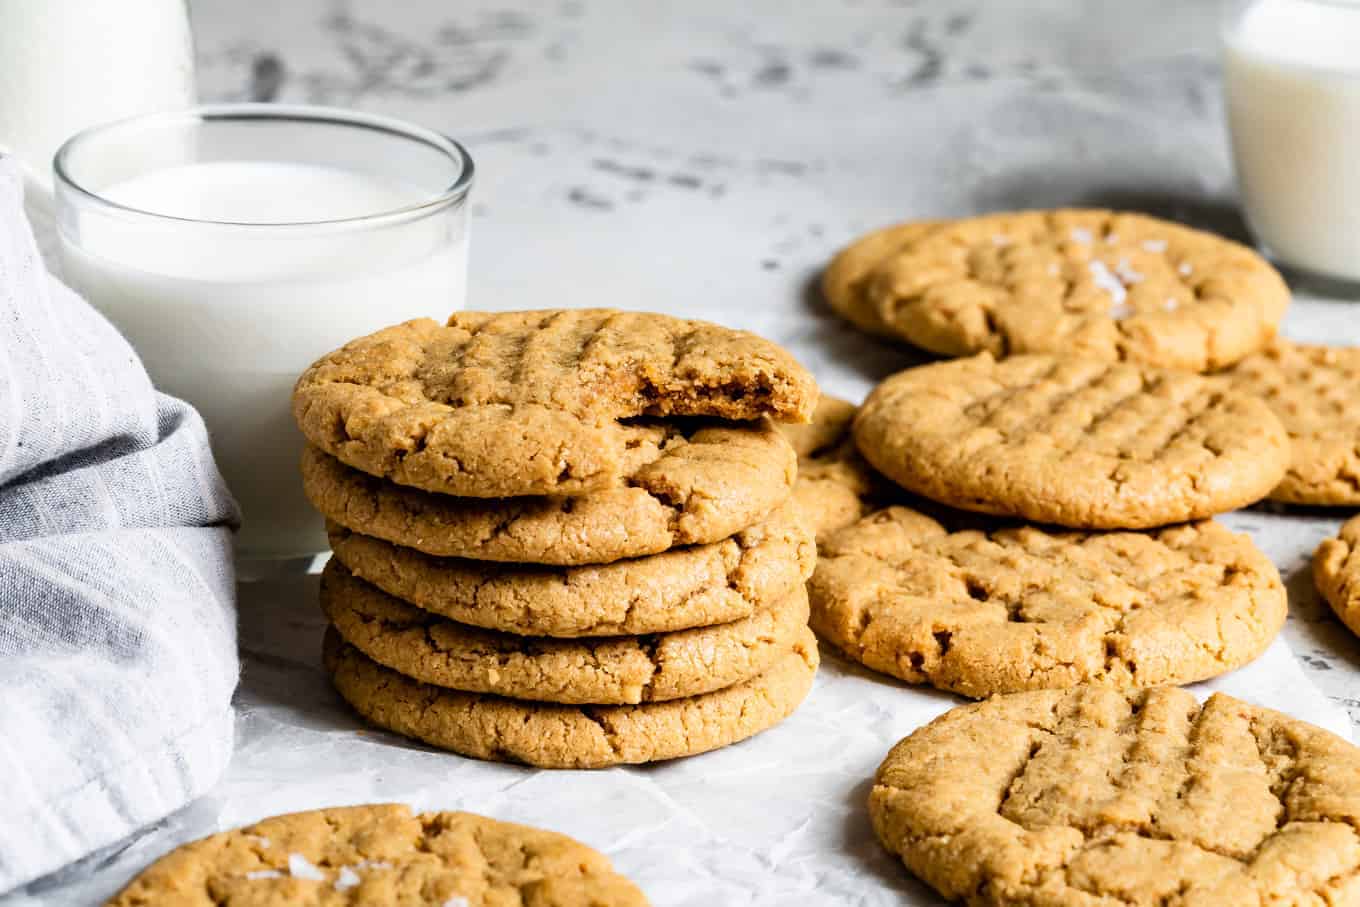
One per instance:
[(1094, 283), (535, 403), (1074, 442), (381, 856), (1095, 796)]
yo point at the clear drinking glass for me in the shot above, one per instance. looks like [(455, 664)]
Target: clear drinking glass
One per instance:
[(1291, 74), (233, 245)]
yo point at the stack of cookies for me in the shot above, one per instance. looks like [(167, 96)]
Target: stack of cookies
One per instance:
[(564, 538)]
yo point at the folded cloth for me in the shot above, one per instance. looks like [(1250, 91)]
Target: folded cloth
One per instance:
[(117, 615)]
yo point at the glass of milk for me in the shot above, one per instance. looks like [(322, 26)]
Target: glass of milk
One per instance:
[(234, 245), (1291, 71)]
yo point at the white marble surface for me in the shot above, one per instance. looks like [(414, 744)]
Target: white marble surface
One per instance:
[(705, 158)]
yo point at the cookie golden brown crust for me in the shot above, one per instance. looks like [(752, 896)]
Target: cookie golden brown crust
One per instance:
[(835, 486), (381, 856), (1101, 284), (1096, 796), (611, 670), (713, 481), (1315, 391), (1074, 442), (1021, 608), (694, 586), (1336, 572), (562, 736), (845, 278), (828, 430), (530, 403)]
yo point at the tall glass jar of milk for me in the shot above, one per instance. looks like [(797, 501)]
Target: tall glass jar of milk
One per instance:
[(234, 245), (1291, 72)]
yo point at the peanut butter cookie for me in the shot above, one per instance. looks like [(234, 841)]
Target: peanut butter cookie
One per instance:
[(534, 403), (1315, 390), (609, 670), (1076, 442), (564, 736), (381, 856), (711, 481), (694, 586), (1000, 610), (835, 486), (1336, 572), (1099, 284), (845, 278), (1099, 796)]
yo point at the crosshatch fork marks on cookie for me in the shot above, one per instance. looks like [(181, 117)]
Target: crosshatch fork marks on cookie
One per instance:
[(1140, 797), (531, 403), (1073, 442), (1108, 285), (1017, 608)]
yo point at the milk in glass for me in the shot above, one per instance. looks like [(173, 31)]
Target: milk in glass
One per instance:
[(1292, 79), (227, 316)]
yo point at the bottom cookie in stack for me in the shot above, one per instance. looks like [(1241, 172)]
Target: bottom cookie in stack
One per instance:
[(547, 735)]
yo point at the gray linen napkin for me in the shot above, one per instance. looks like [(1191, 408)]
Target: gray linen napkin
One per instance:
[(117, 618)]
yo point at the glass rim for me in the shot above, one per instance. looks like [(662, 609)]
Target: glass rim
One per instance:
[(453, 193)]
